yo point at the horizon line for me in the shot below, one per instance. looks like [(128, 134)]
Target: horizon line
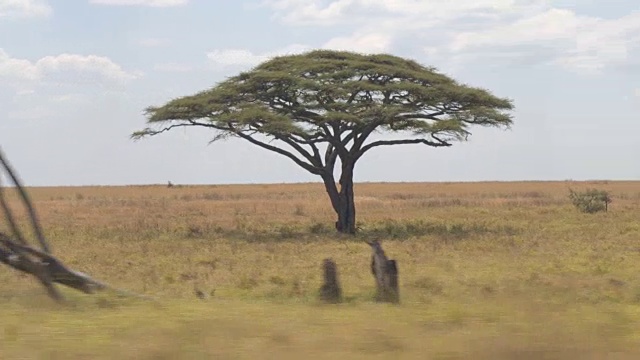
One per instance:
[(176, 184)]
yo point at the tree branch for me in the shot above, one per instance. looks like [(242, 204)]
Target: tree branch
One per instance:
[(148, 132), (310, 167), (16, 253), (49, 270), (358, 141), (432, 116), (439, 143), (35, 223), (8, 215), (313, 159)]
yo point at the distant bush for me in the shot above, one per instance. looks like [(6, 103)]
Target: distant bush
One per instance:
[(590, 201)]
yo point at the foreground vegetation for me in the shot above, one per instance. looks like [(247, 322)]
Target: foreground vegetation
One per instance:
[(487, 271)]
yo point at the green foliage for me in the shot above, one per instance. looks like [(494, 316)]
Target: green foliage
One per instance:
[(322, 106), (307, 98), (591, 200)]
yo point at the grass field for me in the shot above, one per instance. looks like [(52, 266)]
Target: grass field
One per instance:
[(487, 271)]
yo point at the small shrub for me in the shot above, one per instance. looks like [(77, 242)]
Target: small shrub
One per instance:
[(287, 232), (319, 228), (194, 232), (247, 283), (591, 200)]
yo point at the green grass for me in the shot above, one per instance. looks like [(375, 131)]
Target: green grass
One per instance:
[(487, 271)]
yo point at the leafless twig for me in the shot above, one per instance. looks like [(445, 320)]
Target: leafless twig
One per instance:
[(16, 252)]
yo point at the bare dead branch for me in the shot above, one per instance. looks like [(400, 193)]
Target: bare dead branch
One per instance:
[(16, 252), (35, 223), (8, 215)]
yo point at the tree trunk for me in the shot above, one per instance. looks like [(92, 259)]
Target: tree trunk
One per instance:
[(347, 213), (343, 200)]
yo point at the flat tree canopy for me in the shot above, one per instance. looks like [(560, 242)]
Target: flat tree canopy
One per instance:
[(321, 107)]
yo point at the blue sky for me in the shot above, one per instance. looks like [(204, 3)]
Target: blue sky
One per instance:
[(75, 76)]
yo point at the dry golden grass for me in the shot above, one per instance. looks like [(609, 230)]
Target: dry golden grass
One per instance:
[(487, 271)]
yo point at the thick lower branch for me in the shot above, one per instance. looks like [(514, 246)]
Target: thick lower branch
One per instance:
[(49, 270), (309, 167), (35, 262), (16, 253), (8, 215), (313, 166), (35, 223), (314, 159), (332, 190), (359, 140)]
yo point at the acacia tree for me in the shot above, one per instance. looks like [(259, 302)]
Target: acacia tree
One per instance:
[(320, 109)]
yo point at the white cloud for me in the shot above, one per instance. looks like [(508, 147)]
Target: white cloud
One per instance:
[(231, 57), (364, 43), (637, 93), (308, 12), (63, 69), (16, 69), (88, 68), (235, 57), (321, 12), (222, 58), (152, 3), (461, 31), (549, 25), (24, 8), (581, 43)]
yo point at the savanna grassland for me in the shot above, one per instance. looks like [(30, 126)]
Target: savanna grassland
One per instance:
[(487, 271)]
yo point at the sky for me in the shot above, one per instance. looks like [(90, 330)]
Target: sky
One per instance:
[(76, 76)]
